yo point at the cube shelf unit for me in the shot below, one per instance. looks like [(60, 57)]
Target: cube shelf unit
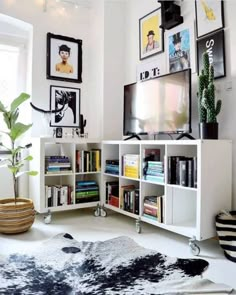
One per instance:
[(42, 147), (189, 211)]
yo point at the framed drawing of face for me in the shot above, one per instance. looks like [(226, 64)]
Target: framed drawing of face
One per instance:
[(64, 58), (66, 101), (150, 34)]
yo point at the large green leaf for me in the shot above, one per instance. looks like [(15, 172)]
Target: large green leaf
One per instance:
[(14, 116), (2, 108), (19, 100), (18, 129), (7, 119), (28, 158)]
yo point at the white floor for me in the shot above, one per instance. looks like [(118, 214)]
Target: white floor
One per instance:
[(82, 225)]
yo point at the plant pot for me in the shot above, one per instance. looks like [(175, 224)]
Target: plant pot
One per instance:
[(208, 130), (16, 216)]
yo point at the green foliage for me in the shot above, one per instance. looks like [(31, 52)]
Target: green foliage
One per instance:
[(207, 108), (15, 131)]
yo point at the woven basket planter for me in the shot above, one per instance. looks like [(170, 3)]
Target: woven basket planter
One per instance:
[(226, 230), (16, 217)]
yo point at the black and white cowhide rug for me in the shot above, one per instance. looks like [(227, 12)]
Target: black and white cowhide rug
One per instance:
[(64, 266)]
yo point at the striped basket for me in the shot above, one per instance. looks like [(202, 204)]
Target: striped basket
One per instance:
[(226, 230)]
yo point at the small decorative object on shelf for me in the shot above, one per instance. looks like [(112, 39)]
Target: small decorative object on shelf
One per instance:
[(208, 109), (59, 133)]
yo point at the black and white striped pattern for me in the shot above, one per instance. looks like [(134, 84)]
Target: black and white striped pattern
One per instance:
[(226, 230)]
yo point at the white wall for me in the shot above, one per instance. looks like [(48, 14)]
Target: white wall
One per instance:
[(114, 68), (70, 22), (227, 119)]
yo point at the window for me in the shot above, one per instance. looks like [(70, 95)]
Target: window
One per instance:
[(12, 73)]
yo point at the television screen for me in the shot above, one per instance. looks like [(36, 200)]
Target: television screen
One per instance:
[(159, 105)]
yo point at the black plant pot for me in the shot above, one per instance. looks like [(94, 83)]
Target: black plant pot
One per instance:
[(208, 130)]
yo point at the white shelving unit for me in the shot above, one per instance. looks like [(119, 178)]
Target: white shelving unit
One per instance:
[(42, 147), (187, 211)]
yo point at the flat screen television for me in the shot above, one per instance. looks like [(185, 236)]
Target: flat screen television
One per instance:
[(159, 105)]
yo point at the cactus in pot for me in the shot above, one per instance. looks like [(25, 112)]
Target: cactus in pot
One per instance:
[(208, 109)]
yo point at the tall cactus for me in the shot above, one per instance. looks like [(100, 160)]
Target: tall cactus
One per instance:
[(206, 93)]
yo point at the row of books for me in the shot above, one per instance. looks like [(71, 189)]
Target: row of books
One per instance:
[(58, 195), (125, 197), (182, 171), (88, 161), (86, 191), (153, 207), (57, 164), (112, 166), (130, 165)]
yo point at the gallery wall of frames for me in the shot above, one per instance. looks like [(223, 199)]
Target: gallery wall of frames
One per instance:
[(184, 43)]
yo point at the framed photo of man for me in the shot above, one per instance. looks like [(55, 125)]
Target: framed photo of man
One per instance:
[(65, 101), (150, 34), (214, 45), (64, 58), (209, 16), (181, 49)]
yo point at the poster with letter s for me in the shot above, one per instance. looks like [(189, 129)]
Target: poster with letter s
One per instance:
[(214, 45)]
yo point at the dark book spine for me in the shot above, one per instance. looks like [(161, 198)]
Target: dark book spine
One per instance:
[(195, 172), (190, 172), (183, 175), (136, 202)]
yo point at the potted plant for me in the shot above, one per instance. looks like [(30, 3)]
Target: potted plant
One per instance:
[(16, 213), (208, 110)]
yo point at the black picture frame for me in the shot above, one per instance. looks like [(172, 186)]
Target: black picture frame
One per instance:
[(59, 69), (149, 25), (209, 16), (67, 101), (214, 44)]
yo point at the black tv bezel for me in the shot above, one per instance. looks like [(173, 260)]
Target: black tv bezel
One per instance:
[(129, 133)]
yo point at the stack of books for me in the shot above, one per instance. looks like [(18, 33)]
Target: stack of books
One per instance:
[(131, 165), (154, 171), (86, 191), (112, 167), (57, 164), (152, 207)]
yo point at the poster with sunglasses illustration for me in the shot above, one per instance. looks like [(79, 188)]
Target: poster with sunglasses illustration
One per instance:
[(66, 101)]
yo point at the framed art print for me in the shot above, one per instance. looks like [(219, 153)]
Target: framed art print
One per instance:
[(150, 34), (64, 58), (209, 16), (181, 49), (214, 45), (66, 101)]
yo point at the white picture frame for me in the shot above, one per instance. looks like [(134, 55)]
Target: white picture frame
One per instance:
[(209, 16)]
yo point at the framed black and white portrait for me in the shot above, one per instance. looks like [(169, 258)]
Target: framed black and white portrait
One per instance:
[(214, 45), (64, 58), (66, 102), (209, 16)]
